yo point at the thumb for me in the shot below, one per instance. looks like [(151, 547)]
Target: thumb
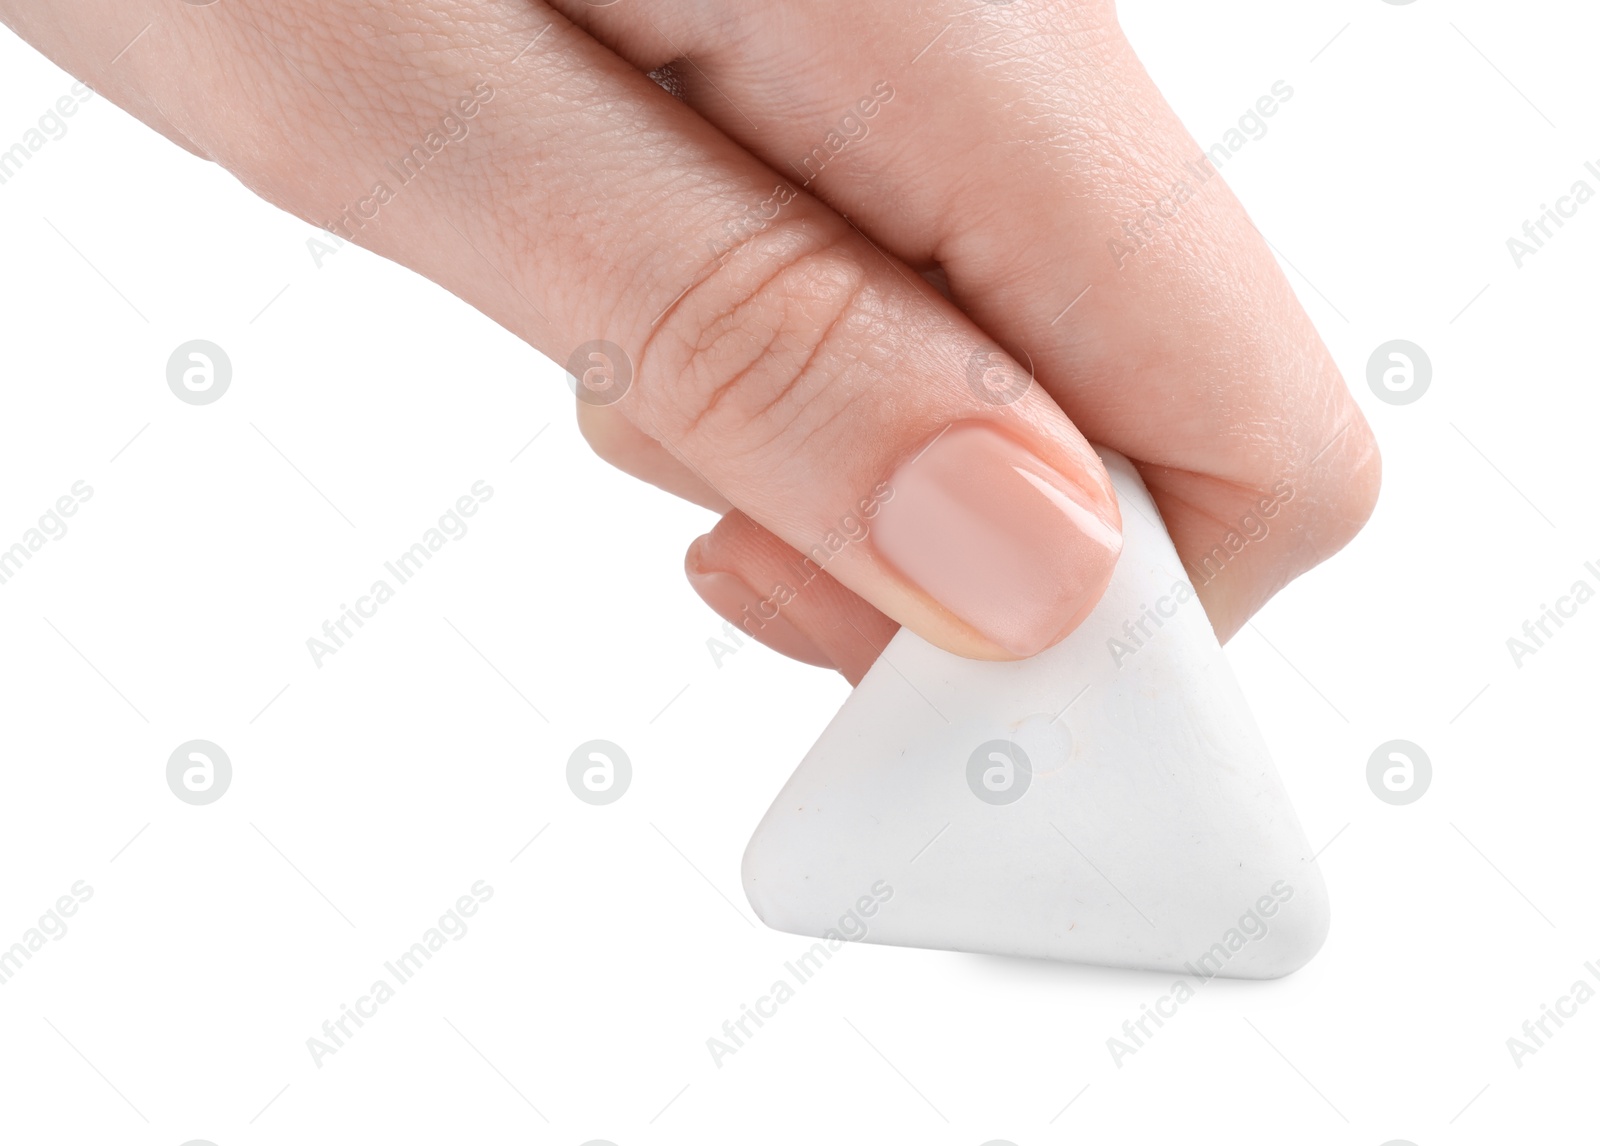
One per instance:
[(870, 426)]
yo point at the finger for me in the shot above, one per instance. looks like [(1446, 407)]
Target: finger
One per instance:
[(1023, 149), (817, 385), (618, 441), (622, 444), (768, 591)]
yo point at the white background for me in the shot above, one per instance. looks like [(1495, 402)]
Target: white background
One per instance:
[(371, 793)]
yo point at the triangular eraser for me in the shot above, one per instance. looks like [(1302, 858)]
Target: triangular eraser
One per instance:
[(1108, 801)]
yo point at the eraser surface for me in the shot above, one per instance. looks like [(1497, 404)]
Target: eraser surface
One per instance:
[(1108, 801)]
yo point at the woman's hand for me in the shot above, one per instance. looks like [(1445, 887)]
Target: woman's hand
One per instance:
[(739, 271)]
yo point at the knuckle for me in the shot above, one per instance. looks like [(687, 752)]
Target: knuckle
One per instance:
[(607, 435), (1335, 489), (1349, 485), (754, 357)]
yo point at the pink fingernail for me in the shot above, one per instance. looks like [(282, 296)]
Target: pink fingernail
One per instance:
[(1010, 545)]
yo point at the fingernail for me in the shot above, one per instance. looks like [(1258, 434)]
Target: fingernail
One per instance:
[(736, 602), (1008, 544)]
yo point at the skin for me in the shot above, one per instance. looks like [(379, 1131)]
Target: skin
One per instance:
[(783, 368)]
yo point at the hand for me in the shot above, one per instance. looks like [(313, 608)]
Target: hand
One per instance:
[(765, 353)]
